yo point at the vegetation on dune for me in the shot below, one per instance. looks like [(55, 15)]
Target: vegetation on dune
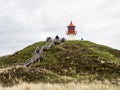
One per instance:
[(15, 75), (68, 86), (69, 61), (19, 56)]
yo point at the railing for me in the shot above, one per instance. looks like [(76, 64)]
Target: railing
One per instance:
[(39, 56)]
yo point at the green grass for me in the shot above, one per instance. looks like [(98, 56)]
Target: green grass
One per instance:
[(19, 56), (77, 60)]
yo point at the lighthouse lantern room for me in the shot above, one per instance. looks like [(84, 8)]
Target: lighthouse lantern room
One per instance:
[(71, 33)]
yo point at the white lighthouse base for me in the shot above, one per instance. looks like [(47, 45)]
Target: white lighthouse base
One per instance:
[(71, 37)]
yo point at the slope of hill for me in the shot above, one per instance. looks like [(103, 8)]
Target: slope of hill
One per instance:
[(69, 61)]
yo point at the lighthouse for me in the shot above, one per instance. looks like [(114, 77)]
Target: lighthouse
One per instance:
[(71, 33)]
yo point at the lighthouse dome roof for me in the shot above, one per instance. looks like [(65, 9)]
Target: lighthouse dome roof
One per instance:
[(71, 24)]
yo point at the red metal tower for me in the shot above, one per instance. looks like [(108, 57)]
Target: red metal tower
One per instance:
[(71, 31)]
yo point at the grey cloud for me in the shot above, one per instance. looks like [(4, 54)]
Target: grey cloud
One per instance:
[(23, 22)]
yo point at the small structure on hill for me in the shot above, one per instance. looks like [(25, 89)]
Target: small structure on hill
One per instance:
[(71, 33)]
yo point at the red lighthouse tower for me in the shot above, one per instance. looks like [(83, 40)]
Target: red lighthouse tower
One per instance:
[(71, 33)]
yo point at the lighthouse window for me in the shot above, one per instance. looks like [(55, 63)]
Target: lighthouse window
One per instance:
[(71, 28)]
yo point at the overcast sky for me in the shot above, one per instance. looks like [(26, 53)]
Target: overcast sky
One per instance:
[(24, 22)]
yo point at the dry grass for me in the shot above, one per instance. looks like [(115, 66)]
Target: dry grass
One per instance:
[(8, 68), (4, 69), (69, 86)]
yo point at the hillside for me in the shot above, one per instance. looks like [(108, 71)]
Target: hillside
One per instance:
[(69, 61)]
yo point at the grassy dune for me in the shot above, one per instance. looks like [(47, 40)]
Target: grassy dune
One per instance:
[(69, 86), (71, 61)]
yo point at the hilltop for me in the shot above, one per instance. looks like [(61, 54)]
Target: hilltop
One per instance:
[(65, 62)]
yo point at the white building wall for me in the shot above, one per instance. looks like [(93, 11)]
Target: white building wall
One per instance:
[(71, 37)]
